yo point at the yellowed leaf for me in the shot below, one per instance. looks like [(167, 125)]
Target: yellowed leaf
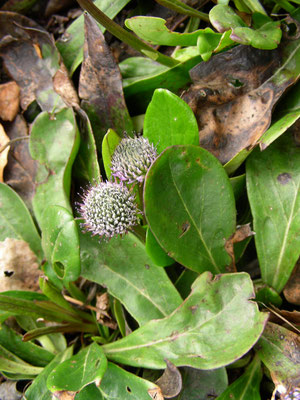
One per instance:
[(9, 101), (3, 155), (156, 394)]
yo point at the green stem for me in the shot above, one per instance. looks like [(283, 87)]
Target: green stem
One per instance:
[(125, 36), (183, 8)]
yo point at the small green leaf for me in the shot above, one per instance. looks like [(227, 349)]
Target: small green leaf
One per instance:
[(154, 31), (209, 42), (135, 68), (12, 364), (109, 144), (273, 179), (16, 221), (118, 384), (267, 36), (170, 121), (29, 352), (54, 142), (61, 242), (279, 350), (202, 332), (190, 217), (247, 386), (70, 45), (38, 389), (138, 94), (87, 366), (123, 266), (86, 164)]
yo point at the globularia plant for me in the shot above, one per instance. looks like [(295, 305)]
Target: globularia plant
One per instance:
[(111, 302)]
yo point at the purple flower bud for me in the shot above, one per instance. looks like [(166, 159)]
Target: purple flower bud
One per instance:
[(132, 158), (108, 209)]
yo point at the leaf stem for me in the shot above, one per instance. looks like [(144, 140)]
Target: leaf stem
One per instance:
[(126, 36)]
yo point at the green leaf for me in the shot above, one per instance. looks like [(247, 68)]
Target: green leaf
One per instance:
[(157, 254), (35, 309), (138, 94), (170, 121), (61, 242), (154, 31), (28, 351), (247, 386), (16, 221), (118, 384), (38, 389), (273, 179), (123, 266), (135, 68), (190, 217), (279, 350), (267, 36), (86, 164), (12, 364), (109, 144), (86, 367), (54, 142), (70, 45), (213, 327), (210, 41), (201, 384)]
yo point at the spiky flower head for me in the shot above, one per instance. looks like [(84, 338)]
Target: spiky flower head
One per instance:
[(294, 394), (108, 209), (132, 158)]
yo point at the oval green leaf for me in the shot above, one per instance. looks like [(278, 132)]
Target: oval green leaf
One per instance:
[(54, 143), (190, 207), (16, 221), (123, 266), (61, 242), (87, 366), (273, 180), (169, 121), (215, 325), (118, 384)]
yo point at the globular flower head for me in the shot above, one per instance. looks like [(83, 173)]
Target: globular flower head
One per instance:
[(132, 158), (108, 209), (294, 394)]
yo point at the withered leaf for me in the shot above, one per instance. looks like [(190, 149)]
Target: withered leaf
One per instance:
[(18, 267), (4, 139), (234, 94), (170, 382), (292, 288), (21, 168), (242, 232), (156, 394), (9, 100), (32, 60), (100, 85), (65, 395)]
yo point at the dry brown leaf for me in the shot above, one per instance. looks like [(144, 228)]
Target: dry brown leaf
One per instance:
[(242, 232), (21, 168), (65, 395), (170, 382), (9, 100), (292, 288), (233, 104), (4, 139), (18, 266), (156, 394), (100, 85), (30, 57)]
